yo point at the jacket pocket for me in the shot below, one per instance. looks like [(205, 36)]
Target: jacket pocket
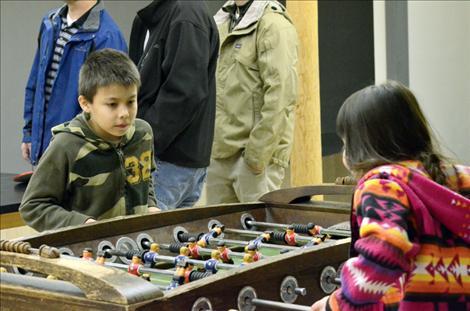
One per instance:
[(246, 62)]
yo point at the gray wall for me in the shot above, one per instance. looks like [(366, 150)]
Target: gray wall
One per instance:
[(439, 60), (426, 44), (19, 30)]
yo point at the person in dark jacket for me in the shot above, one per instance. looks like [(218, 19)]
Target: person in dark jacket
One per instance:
[(175, 45), (66, 37)]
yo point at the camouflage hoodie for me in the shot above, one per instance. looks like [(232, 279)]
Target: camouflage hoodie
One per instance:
[(82, 176)]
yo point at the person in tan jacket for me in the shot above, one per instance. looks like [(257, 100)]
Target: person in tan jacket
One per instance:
[(256, 96)]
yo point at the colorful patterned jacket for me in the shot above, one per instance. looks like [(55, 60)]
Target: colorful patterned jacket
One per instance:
[(411, 242), (82, 176)]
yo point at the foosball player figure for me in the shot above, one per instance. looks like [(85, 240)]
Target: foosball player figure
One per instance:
[(247, 258), (180, 268), (100, 259), (252, 250), (187, 272), (213, 233), (135, 266), (316, 240), (290, 236), (183, 256), (265, 237), (313, 230), (150, 257), (224, 252), (211, 264), (87, 254), (193, 248)]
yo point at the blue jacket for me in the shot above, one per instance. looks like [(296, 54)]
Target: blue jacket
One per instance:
[(98, 31)]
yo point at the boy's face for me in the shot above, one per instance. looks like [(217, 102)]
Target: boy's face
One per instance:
[(112, 111)]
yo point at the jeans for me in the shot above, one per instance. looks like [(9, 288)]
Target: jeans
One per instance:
[(177, 186)]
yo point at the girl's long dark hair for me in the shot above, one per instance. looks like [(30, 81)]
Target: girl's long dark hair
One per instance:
[(384, 124)]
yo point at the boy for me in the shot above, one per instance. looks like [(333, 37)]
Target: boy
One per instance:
[(66, 37), (99, 164)]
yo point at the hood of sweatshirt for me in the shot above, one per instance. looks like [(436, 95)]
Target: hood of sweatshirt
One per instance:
[(80, 127)]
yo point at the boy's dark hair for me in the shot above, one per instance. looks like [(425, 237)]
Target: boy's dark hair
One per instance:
[(103, 68), (384, 124)]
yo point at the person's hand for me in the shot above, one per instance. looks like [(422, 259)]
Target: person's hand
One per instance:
[(254, 169), (26, 151), (153, 209), (90, 220), (320, 304)]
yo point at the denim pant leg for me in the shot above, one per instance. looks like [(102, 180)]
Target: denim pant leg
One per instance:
[(177, 186)]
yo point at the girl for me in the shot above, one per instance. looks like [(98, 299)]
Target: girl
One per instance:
[(410, 222)]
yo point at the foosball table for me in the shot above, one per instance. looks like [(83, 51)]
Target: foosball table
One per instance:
[(281, 253)]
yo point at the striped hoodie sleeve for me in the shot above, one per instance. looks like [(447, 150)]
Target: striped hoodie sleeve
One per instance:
[(382, 211)]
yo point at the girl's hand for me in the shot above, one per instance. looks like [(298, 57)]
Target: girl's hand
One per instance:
[(320, 304)]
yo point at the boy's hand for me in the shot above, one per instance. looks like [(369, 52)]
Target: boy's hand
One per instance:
[(90, 220), (26, 151), (154, 209)]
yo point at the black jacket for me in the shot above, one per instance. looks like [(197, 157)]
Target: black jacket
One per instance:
[(177, 68)]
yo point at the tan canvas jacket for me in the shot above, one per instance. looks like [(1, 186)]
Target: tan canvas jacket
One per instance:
[(256, 85)]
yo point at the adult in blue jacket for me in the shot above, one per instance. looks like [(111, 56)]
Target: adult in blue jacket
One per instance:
[(66, 37)]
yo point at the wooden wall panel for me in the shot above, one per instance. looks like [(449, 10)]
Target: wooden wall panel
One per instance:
[(306, 159)]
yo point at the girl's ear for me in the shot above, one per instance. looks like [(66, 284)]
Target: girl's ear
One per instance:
[(84, 103)]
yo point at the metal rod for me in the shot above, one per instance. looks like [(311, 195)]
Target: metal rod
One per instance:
[(195, 262), (258, 233), (207, 251), (238, 242), (278, 305), (344, 233), (266, 224), (142, 268)]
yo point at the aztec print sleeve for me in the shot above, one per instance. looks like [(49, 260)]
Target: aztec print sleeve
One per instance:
[(382, 210), (463, 180)]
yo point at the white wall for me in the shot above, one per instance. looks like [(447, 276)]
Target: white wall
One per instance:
[(439, 64), (380, 45)]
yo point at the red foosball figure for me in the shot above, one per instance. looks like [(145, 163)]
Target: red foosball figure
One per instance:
[(100, 258), (193, 248), (187, 272), (314, 229), (87, 254), (247, 258), (135, 266), (224, 252), (290, 237), (252, 250)]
